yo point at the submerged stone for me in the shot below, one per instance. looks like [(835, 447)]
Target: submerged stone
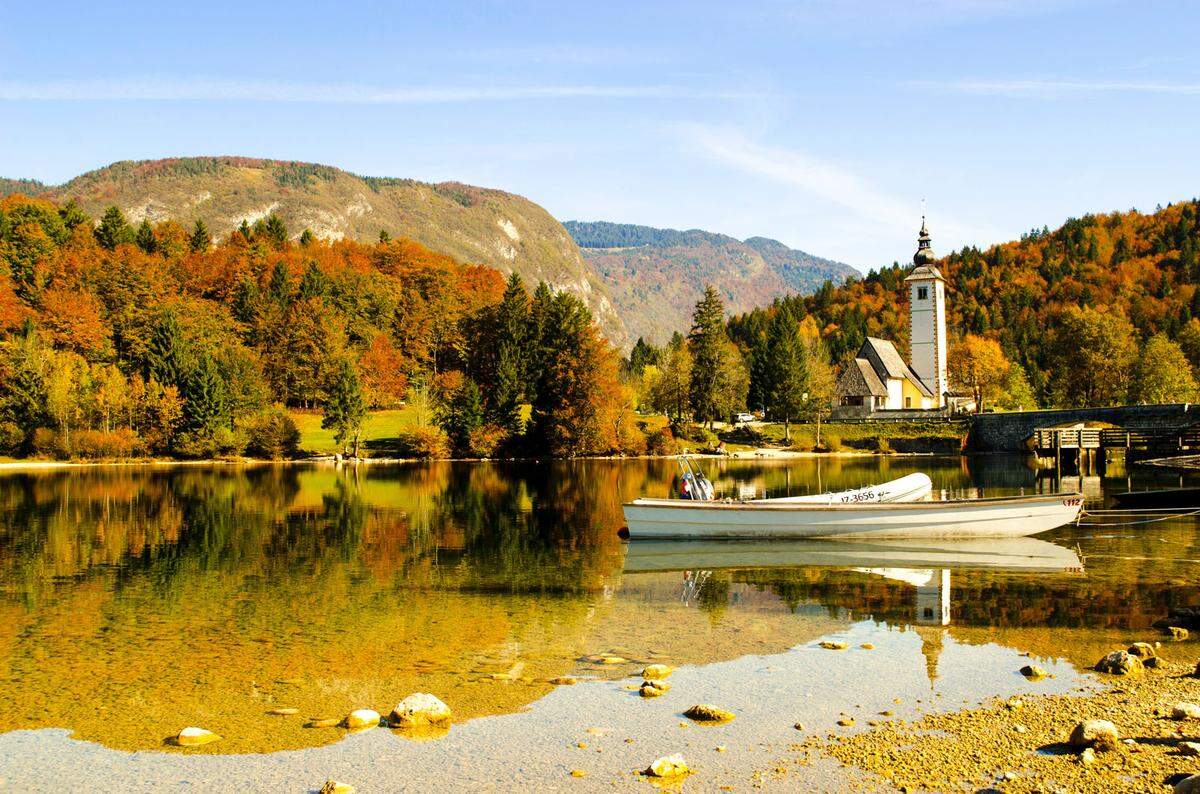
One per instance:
[(563, 680), (1142, 650), (657, 672), (362, 718), (1120, 663), (195, 737), (1033, 672), (653, 689), (833, 645)]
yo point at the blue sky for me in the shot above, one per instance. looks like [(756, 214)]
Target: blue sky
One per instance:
[(821, 123)]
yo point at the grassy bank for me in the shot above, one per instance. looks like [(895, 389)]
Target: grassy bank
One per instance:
[(943, 437), (379, 432)]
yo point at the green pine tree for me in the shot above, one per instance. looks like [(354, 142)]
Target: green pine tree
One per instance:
[(200, 239), (279, 289), (344, 406), (787, 371), (307, 238), (167, 353), (206, 398), (707, 340), (275, 231), (460, 415), (312, 282), (113, 230), (145, 238)]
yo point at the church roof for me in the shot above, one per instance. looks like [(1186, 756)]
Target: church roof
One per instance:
[(887, 363), (925, 273), (859, 380), (924, 257)]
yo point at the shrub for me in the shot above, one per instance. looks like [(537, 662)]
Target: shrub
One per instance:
[(97, 444), (423, 443), (881, 445), (830, 442), (221, 443), (486, 439), (743, 434), (272, 434), (11, 437), (695, 433), (661, 442), (45, 443)]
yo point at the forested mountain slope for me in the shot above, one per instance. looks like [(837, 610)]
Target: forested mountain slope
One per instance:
[(655, 276), (471, 224), (1037, 294)]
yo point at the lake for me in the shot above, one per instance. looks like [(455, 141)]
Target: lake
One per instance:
[(139, 600)]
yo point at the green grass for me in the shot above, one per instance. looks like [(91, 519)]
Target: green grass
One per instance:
[(381, 426), (862, 435)]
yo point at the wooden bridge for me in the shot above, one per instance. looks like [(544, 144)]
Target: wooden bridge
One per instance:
[(1090, 445)]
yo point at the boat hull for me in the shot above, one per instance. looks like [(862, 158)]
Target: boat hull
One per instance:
[(1002, 517), (1007, 554), (910, 488)]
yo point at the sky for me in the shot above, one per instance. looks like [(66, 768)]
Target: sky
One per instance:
[(826, 124)]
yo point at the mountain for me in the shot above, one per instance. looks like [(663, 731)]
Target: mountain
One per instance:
[(472, 224), (655, 276)]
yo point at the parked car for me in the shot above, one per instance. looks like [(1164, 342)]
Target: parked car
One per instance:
[(743, 418)]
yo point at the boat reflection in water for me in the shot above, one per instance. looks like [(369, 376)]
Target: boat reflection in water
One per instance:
[(925, 565)]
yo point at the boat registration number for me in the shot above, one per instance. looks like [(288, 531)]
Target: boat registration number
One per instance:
[(867, 496), (1075, 502)]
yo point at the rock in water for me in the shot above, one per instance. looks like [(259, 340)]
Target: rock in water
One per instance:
[(361, 718), (668, 766), (1142, 650), (1100, 734), (707, 713), (1185, 711), (420, 709), (1120, 663), (833, 645), (657, 672), (334, 787), (194, 737), (1177, 633), (1033, 672), (653, 689), (563, 680), (1189, 785)]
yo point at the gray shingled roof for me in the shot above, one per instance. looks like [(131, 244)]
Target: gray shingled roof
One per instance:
[(858, 379), (925, 272), (887, 363)]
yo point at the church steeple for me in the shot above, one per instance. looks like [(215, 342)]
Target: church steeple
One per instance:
[(924, 254)]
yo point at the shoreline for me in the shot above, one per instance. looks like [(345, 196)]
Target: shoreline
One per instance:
[(764, 453)]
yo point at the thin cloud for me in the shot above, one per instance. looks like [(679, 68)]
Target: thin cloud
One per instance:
[(1057, 88), (166, 90)]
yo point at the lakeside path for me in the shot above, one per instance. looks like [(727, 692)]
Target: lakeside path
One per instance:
[(602, 728)]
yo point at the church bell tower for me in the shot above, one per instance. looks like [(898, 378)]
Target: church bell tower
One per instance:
[(927, 319)]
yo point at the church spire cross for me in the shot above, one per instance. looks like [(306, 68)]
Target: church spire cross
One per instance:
[(924, 254)]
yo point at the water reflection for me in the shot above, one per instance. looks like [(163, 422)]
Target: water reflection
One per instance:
[(134, 601)]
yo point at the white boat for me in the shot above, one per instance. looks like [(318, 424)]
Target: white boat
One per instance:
[(1008, 554), (909, 488), (1008, 516)]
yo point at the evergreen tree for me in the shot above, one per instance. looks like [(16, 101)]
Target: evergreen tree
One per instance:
[(787, 371), (275, 231), (244, 230), (345, 408), (461, 414), (206, 406), (167, 353), (642, 355), (307, 238), (71, 215), (113, 230), (279, 289), (384, 237), (508, 370), (201, 240), (145, 238), (707, 340), (246, 300), (312, 282)]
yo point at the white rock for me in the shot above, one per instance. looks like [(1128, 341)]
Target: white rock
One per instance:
[(362, 718), (1095, 733), (1185, 711), (418, 709), (668, 766), (194, 737)]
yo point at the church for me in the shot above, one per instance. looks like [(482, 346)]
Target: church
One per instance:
[(878, 380)]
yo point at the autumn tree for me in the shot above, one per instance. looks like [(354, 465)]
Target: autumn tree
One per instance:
[(670, 384), (977, 363), (1091, 357), (1162, 374)]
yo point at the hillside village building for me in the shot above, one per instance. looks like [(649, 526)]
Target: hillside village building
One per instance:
[(878, 379)]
